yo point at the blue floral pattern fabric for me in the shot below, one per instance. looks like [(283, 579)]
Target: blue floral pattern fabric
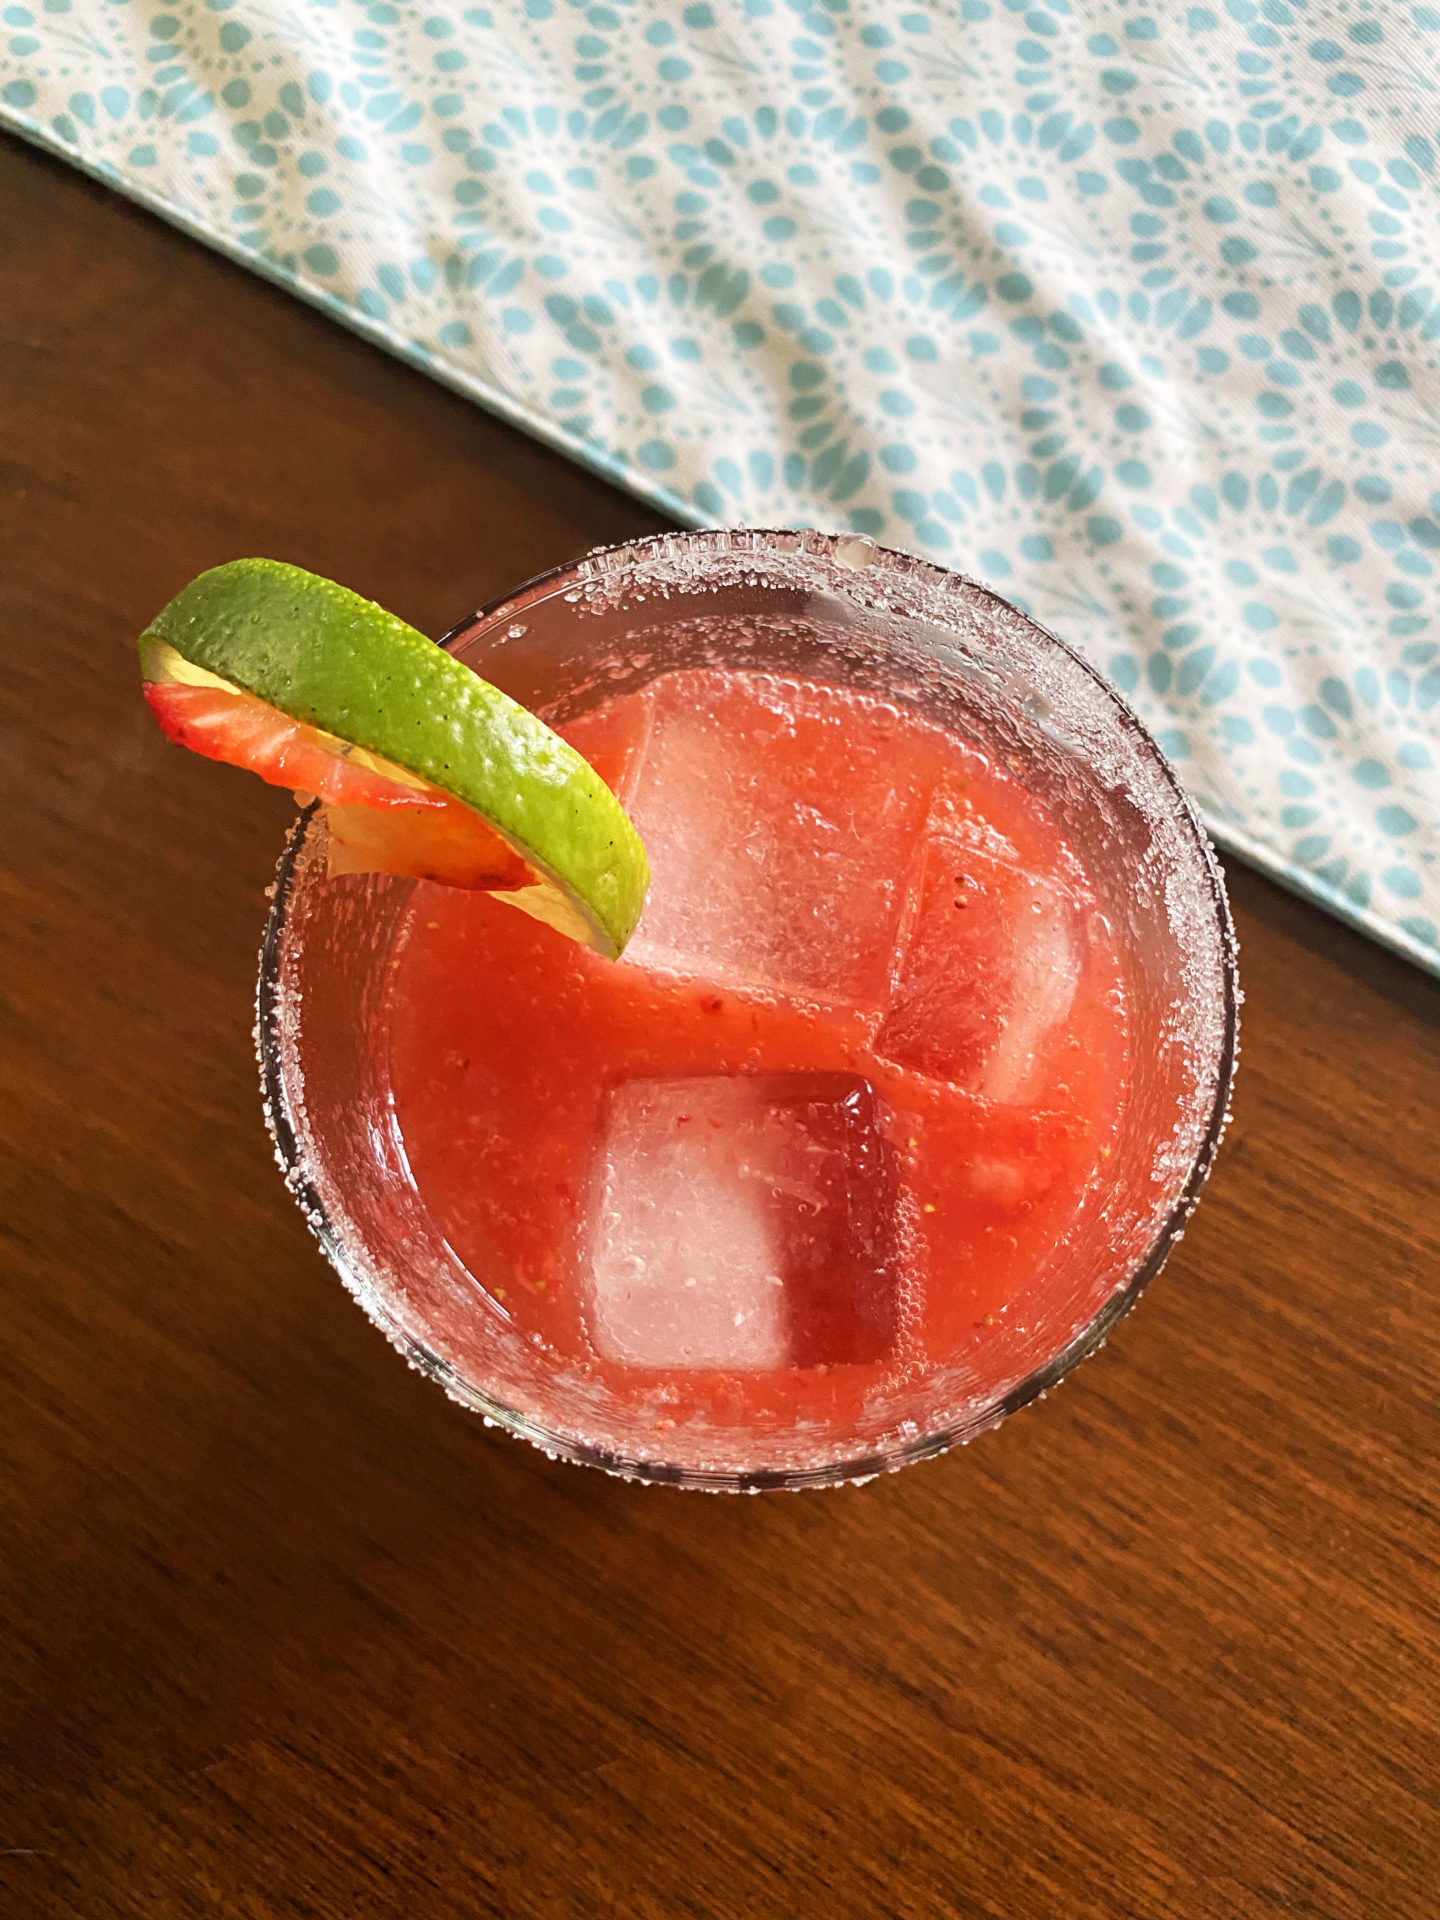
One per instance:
[(1132, 310)]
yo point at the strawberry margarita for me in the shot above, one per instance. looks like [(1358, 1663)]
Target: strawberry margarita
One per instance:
[(895, 1099)]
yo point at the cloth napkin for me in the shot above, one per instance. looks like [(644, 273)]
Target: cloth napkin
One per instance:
[(1131, 311)]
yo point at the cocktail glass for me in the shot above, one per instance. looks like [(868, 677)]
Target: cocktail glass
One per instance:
[(835, 609)]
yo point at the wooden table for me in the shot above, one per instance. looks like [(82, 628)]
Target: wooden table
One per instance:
[(285, 1634)]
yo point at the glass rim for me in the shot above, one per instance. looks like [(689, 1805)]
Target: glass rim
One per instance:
[(286, 1137)]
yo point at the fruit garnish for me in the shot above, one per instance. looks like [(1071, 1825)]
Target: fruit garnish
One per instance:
[(424, 769)]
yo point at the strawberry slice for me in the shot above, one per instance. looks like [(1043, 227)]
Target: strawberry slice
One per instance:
[(377, 824), (237, 728)]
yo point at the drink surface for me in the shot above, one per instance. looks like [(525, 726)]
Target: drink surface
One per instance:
[(831, 1123)]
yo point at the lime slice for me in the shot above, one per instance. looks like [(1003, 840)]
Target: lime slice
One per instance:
[(270, 667)]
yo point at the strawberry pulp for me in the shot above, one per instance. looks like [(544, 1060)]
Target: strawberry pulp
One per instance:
[(830, 1125)]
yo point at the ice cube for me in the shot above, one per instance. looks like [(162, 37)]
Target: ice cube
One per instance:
[(612, 738), (742, 1222), (779, 820), (987, 971)]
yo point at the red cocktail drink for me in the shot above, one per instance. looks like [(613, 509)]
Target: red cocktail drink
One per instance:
[(899, 1093)]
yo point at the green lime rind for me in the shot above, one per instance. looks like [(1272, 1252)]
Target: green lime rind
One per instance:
[(324, 655)]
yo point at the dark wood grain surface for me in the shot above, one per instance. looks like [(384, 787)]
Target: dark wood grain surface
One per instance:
[(282, 1633)]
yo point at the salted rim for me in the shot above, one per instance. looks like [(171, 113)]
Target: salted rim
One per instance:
[(279, 1113)]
